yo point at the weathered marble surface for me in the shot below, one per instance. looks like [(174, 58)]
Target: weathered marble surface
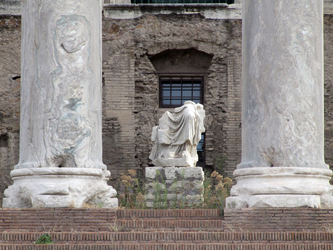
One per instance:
[(60, 187), (282, 114), (60, 130), (177, 136), (61, 84), (281, 187)]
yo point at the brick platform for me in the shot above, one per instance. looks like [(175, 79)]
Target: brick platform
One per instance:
[(181, 229), (275, 219), (169, 219), (56, 219)]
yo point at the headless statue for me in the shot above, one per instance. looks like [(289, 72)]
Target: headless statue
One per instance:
[(177, 136)]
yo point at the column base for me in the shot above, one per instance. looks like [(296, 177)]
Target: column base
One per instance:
[(281, 187), (60, 187)]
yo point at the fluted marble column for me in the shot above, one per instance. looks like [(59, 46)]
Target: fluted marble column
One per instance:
[(282, 113), (60, 129)]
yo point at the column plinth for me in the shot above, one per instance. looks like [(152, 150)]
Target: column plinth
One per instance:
[(282, 107)]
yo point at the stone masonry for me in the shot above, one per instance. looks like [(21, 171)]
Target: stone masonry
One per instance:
[(130, 86), (174, 186), (132, 43)]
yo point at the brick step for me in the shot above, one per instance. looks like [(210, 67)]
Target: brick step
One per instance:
[(164, 224), (174, 246), (169, 237), (184, 214), (57, 219)]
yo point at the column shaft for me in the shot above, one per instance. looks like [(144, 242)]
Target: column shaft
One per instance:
[(60, 139), (282, 118), (61, 84), (282, 107)]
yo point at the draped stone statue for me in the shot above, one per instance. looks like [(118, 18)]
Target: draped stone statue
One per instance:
[(177, 136)]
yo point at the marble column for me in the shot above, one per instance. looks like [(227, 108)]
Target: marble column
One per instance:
[(282, 114), (60, 130)]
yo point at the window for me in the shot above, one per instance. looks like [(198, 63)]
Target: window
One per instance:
[(4, 141), (180, 1), (174, 91)]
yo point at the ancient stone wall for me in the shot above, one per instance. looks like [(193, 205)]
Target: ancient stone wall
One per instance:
[(130, 87), (150, 35), (10, 54), (328, 90)]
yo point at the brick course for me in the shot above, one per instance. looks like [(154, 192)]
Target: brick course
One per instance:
[(278, 219), (57, 219), (194, 236)]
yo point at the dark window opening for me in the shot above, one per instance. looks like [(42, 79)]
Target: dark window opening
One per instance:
[(4, 141), (174, 91)]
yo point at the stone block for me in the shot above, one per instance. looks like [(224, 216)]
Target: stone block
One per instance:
[(178, 184), (170, 172), (196, 173), (151, 172), (281, 187), (285, 201), (59, 187)]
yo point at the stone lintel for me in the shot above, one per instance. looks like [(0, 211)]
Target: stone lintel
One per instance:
[(209, 11)]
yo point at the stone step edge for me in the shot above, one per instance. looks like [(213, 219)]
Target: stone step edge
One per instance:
[(198, 224), (170, 246), (173, 213), (121, 211), (170, 235)]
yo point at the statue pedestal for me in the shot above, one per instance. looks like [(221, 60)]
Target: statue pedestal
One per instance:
[(174, 186), (60, 187), (281, 187), (186, 160)]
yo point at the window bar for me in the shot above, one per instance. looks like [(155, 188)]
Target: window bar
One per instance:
[(181, 90), (170, 80), (192, 89)]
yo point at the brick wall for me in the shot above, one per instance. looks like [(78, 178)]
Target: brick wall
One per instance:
[(150, 35), (278, 219), (57, 219), (233, 127), (118, 116), (10, 55)]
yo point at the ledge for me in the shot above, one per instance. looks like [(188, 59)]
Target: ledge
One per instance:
[(209, 11)]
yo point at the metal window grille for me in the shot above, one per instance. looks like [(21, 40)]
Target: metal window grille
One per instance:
[(201, 148), (181, 1), (174, 91)]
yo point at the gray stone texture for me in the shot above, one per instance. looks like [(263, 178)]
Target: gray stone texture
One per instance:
[(328, 88), (10, 7), (282, 92), (130, 89), (174, 186), (61, 103), (60, 162), (10, 82), (282, 108)]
